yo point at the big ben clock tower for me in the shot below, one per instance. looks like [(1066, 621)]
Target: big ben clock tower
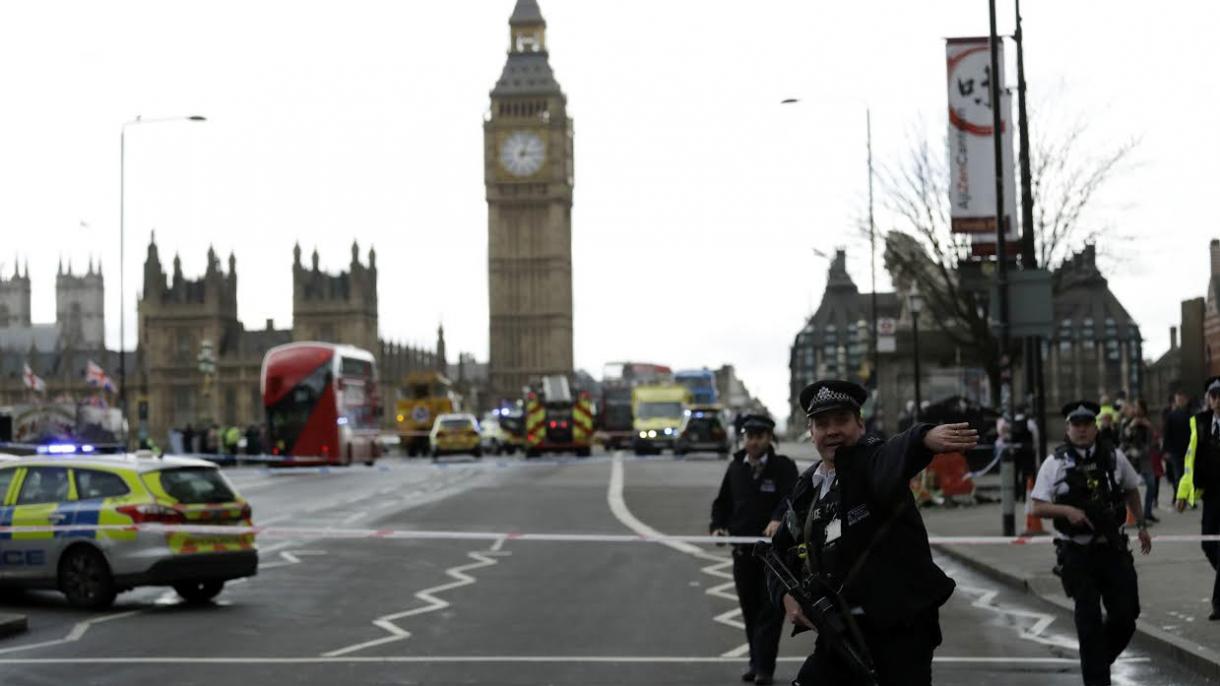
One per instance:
[(527, 150)]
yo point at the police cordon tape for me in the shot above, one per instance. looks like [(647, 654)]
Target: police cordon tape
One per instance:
[(409, 534)]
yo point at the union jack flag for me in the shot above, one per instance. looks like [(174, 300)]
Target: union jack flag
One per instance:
[(32, 381), (96, 376)]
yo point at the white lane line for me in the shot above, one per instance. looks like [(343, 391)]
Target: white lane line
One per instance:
[(74, 635), (726, 591), (502, 659), (433, 603), (289, 558)]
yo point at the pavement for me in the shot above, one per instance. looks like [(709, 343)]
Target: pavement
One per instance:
[(1175, 580), (11, 624), (425, 611)]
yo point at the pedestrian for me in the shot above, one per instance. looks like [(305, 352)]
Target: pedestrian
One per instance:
[(853, 526), (1175, 438), (1087, 487), (751, 502), (188, 439), (254, 444), (1136, 441), (1201, 480)]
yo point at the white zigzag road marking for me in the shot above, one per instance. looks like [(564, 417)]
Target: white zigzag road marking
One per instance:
[(618, 506), (77, 632), (433, 603), (1035, 633)]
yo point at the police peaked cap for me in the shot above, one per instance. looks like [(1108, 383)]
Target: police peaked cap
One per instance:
[(757, 422), (1212, 384), (831, 395), (1081, 409)]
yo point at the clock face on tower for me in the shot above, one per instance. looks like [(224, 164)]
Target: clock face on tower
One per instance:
[(522, 153)]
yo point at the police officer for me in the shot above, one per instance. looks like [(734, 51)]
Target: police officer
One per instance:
[(750, 503), (1087, 487), (1201, 479), (854, 523)]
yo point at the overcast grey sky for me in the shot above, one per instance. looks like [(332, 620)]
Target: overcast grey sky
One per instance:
[(698, 197)]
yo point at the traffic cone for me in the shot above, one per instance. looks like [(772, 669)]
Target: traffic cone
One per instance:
[(1033, 525)]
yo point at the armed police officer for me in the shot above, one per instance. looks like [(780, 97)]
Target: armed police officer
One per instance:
[(856, 547), (751, 502), (1087, 487)]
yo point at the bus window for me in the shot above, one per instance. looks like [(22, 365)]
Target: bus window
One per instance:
[(286, 419), (352, 367)]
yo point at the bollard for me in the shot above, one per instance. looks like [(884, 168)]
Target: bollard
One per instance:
[(1008, 497)]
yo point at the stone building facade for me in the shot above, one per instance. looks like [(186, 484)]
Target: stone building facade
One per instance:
[(1095, 349), (56, 352), (182, 320)]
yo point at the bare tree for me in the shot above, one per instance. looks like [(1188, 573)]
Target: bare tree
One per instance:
[(921, 251)]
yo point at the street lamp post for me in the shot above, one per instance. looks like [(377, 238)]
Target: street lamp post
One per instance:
[(123, 253), (872, 242), (915, 305)]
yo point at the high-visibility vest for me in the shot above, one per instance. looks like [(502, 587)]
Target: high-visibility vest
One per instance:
[(1186, 485), (582, 421), (535, 423)]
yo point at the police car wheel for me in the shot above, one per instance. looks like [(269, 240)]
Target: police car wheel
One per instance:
[(84, 578), (199, 591)]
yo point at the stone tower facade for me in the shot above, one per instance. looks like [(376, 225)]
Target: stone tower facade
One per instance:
[(181, 321), (80, 308), (15, 298), (338, 308), (528, 172)]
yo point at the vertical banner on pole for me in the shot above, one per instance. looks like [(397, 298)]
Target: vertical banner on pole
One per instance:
[(971, 149)]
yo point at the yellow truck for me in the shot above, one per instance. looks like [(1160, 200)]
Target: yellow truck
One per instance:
[(658, 412), (423, 397)]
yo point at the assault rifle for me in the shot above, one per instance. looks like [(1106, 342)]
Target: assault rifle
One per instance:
[(828, 613)]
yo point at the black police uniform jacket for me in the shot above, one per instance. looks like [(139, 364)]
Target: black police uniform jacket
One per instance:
[(1207, 457), (746, 505), (898, 580)]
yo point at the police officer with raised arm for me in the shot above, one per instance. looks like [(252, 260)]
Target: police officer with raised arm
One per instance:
[(751, 502), (1087, 488), (853, 528)]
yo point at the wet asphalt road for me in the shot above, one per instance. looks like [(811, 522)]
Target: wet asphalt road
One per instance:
[(327, 610)]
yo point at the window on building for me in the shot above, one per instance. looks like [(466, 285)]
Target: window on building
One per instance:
[(184, 404), (183, 349)]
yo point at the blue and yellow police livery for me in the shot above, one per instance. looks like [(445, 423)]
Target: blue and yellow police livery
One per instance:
[(92, 565)]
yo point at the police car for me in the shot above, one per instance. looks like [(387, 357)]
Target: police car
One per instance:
[(91, 566)]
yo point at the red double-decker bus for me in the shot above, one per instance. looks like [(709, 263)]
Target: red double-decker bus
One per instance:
[(322, 403)]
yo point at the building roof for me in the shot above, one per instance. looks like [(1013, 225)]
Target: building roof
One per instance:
[(1081, 292), (526, 13), (843, 305), (257, 343), (526, 73)]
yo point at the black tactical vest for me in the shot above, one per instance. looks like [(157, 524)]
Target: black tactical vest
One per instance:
[(1091, 487), (823, 532)]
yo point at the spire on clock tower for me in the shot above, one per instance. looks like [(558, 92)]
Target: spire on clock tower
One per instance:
[(527, 28), (527, 71)]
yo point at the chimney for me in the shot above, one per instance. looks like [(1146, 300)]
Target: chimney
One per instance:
[(270, 324), (1173, 331), (1215, 251)]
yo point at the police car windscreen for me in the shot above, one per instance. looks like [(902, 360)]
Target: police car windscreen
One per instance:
[(456, 424), (194, 485)]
